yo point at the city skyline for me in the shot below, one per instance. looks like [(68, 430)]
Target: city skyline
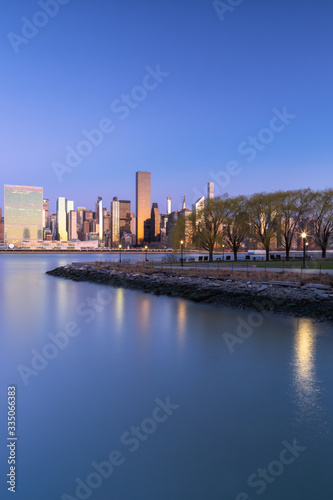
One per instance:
[(185, 110)]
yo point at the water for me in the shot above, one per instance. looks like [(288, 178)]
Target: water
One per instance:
[(231, 414)]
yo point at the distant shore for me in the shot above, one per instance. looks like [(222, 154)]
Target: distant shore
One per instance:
[(311, 300)]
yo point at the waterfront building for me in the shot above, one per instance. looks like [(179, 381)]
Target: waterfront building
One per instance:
[(72, 225), (115, 221), (23, 214), (2, 228), (124, 216), (64, 206), (143, 203), (155, 226), (46, 221), (133, 229), (99, 217)]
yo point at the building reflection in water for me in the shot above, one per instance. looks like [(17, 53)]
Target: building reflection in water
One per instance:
[(119, 309), (181, 321), (144, 313), (306, 383)]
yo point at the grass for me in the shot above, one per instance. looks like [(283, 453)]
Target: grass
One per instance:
[(225, 273)]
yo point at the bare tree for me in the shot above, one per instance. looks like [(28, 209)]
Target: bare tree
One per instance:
[(264, 216), (236, 222), (293, 207), (207, 224), (322, 219)]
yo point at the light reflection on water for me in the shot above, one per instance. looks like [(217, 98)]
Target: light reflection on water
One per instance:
[(305, 380)]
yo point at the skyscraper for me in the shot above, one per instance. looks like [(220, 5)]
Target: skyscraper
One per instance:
[(115, 220), (125, 216), (2, 228), (99, 216), (46, 213), (63, 208), (23, 214), (143, 203), (210, 190), (72, 225), (169, 205), (155, 227)]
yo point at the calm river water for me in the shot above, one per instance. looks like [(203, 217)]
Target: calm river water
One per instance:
[(142, 398)]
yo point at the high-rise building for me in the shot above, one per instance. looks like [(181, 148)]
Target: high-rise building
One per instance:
[(124, 216), (210, 190), (72, 225), (87, 215), (80, 213), (155, 226), (23, 214), (115, 221), (64, 206), (46, 222), (53, 225), (2, 228), (169, 205), (133, 228), (99, 217), (143, 203)]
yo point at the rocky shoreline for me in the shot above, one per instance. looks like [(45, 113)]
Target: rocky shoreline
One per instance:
[(311, 300)]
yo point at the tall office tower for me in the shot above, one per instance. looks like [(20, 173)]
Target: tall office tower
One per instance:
[(99, 217), (46, 222), (23, 214), (61, 219), (80, 214), (72, 225), (87, 215), (169, 205), (155, 226), (86, 230), (125, 216), (63, 208), (53, 225), (115, 220), (143, 203), (2, 228), (133, 228), (210, 190)]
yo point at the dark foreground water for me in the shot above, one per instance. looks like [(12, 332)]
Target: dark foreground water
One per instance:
[(154, 398)]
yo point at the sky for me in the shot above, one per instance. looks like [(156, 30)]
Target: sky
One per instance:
[(236, 92)]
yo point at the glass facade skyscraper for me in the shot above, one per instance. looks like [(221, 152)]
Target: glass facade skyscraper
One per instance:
[(23, 214), (143, 203)]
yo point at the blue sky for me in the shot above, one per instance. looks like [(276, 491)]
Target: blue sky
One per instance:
[(225, 78)]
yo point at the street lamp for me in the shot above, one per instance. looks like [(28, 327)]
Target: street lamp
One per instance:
[(304, 237), (181, 253), (146, 249), (119, 253), (223, 251)]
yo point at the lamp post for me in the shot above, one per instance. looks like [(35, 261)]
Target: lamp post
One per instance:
[(119, 253), (223, 251), (304, 237), (146, 250), (181, 253)]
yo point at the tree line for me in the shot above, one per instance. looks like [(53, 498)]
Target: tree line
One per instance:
[(261, 217)]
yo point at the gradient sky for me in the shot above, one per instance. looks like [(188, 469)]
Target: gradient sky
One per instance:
[(225, 78)]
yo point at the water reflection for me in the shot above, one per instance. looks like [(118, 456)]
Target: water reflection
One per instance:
[(306, 383), (181, 321), (119, 292)]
